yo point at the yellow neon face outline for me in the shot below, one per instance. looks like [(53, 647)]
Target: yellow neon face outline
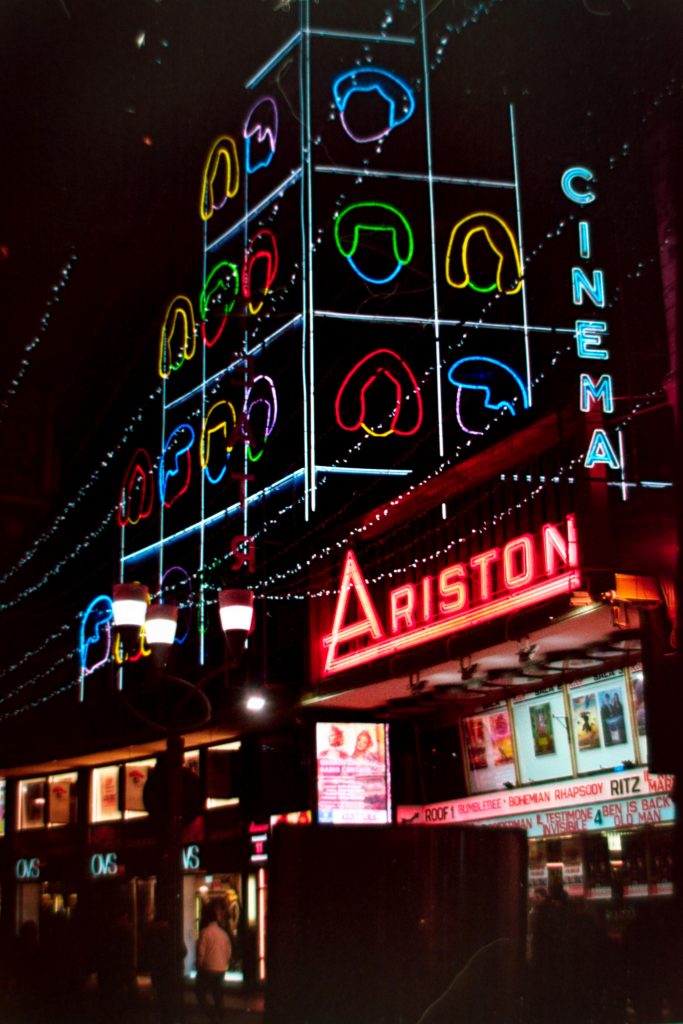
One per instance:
[(499, 253), (181, 307), (205, 440), (224, 153)]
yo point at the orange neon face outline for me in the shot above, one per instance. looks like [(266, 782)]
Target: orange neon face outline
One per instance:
[(380, 356), (507, 241), (138, 481), (254, 252), (222, 155), (220, 427), (178, 312), (555, 549)]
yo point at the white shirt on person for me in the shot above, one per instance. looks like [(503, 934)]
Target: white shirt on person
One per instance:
[(213, 948)]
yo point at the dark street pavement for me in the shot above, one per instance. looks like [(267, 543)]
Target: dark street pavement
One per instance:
[(88, 1008)]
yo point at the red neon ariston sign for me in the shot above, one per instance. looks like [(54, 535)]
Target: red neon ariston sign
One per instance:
[(496, 582)]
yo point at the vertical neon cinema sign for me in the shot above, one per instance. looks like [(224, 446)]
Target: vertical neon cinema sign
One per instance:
[(576, 184), (496, 582)]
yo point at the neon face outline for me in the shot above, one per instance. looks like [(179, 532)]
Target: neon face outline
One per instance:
[(380, 354), (254, 252), (485, 386), (349, 251), (179, 309), (138, 482), (223, 153), (221, 427), (211, 294), (270, 402), (261, 125), (183, 606), (183, 447), (389, 86), (507, 242), (96, 620)]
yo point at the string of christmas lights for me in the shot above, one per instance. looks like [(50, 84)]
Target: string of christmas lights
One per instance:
[(32, 345)]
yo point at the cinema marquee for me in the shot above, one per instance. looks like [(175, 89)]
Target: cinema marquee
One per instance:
[(525, 571)]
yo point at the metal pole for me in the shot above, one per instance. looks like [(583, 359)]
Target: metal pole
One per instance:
[(171, 857)]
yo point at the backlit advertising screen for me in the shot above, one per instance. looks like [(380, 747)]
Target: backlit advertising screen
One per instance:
[(353, 773)]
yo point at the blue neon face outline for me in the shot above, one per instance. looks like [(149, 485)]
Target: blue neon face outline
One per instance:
[(102, 624), (488, 404), (255, 126), (190, 600), (567, 186), (182, 449), (373, 80)]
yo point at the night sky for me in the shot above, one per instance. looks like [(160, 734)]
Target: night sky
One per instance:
[(108, 109)]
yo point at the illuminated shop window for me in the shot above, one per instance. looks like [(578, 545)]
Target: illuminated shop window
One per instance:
[(223, 775), (48, 801), (117, 791)]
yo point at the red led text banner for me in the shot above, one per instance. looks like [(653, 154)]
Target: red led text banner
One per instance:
[(525, 571)]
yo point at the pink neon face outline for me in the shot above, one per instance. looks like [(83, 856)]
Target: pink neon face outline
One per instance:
[(555, 584), (270, 255), (258, 129), (270, 402), (458, 416), (139, 472), (359, 423)]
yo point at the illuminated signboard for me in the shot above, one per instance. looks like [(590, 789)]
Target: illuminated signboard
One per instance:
[(613, 799), (493, 583), (353, 773)]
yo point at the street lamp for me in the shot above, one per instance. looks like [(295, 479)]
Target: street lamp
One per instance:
[(133, 612)]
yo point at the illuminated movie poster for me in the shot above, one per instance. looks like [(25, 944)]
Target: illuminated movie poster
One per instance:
[(353, 773), (488, 740), (586, 721), (542, 729), (612, 715)]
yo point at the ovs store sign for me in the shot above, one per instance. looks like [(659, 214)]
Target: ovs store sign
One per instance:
[(103, 865), (496, 582), (27, 869)]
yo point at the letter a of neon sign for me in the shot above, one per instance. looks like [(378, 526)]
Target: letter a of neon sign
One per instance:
[(368, 625)]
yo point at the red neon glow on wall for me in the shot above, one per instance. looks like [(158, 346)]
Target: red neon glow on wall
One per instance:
[(467, 598)]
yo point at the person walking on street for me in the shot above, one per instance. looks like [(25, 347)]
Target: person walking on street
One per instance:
[(214, 951)]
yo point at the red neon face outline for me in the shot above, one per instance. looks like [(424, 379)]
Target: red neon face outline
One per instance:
[(139, 473), (359, 424), (547, 584), (253, 253)]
